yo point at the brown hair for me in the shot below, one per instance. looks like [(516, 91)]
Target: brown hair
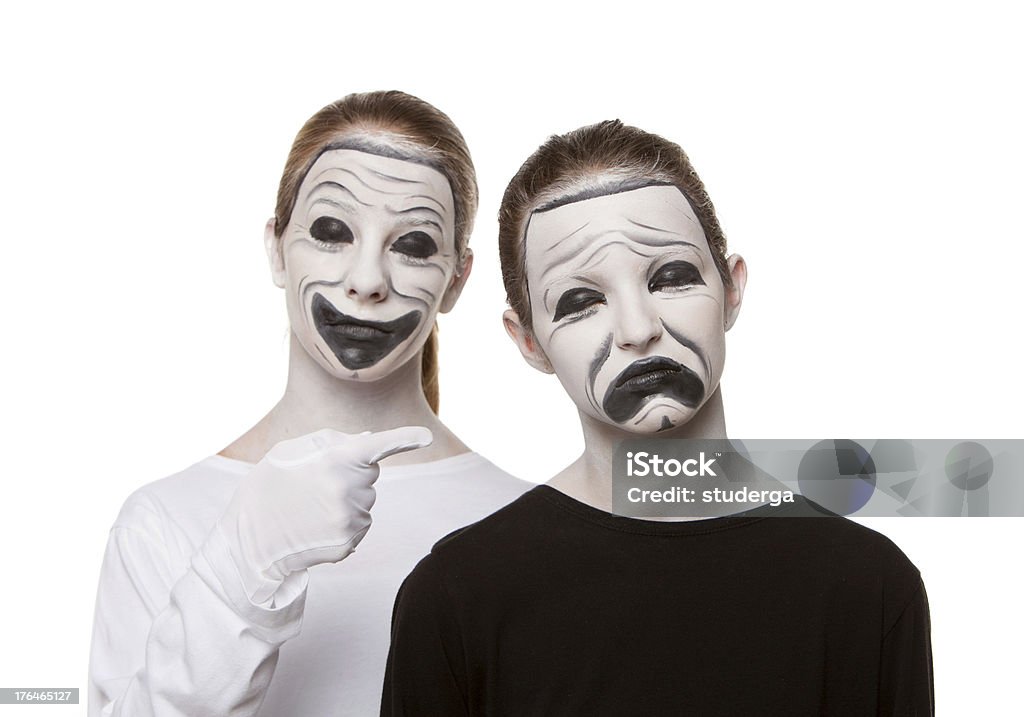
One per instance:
[(591, 161), (392, 124)]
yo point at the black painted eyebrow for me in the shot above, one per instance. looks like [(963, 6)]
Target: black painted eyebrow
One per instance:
[(417, 220), (567, 236), (359, 179), (658, 229), (393, 178), (585, 247), (336, 185), (417, 209), (649, 241), (336, 204), (429, 199), (699, 256)]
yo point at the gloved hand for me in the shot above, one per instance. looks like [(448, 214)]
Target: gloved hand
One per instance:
[(307, 502)]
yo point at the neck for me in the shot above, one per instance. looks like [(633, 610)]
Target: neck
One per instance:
[(314, 399), (589, 478)]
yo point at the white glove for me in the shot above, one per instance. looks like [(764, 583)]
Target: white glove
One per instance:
[(307, 502)]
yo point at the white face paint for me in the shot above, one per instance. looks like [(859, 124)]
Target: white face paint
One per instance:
[(369, 254), (628, 306)]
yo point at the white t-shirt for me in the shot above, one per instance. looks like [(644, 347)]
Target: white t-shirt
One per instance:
[(174, 634)]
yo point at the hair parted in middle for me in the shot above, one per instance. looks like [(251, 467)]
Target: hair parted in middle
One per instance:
[(592, 161)]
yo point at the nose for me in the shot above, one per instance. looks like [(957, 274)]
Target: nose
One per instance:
[(367, 279), (638, 324)]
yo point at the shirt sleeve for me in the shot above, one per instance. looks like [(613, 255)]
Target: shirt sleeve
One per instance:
[(425, 672), (907, 686), (193, 645)]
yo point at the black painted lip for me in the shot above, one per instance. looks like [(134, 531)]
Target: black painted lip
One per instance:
[(644, 379), (655, 364), (329, 316), (359, 343)]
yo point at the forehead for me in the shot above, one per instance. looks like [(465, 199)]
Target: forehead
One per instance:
[(653, 216), (375, 180)]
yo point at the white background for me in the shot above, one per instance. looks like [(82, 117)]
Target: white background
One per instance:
[(866, 162)]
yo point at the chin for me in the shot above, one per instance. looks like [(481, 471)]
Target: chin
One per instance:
[(368, 374), (658, 416), (405, 360)]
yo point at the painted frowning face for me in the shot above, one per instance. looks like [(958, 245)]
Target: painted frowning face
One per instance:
[(368, 260), (628, 306)]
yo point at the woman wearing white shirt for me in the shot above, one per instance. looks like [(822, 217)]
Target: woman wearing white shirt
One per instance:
[(206, 582)]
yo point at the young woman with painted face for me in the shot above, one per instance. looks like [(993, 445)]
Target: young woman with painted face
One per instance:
[(206, 580), (619, 284)]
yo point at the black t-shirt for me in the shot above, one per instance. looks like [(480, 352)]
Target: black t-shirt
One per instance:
[(552, 607)]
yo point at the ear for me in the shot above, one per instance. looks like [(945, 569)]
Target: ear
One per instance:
[(458, 282), (527, 343), (272, 243), (734, 296)]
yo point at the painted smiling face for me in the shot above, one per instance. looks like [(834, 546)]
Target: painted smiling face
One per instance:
[(367, 261), (628, 307)]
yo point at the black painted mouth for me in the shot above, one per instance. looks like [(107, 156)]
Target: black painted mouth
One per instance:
[(359, 343), (644, 379)]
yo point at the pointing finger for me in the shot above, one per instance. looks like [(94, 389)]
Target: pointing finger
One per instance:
[(378, 446)]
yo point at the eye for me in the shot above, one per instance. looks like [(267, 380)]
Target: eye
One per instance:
[(418, 245), (675, 275), (331, 231), (576, 300)]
